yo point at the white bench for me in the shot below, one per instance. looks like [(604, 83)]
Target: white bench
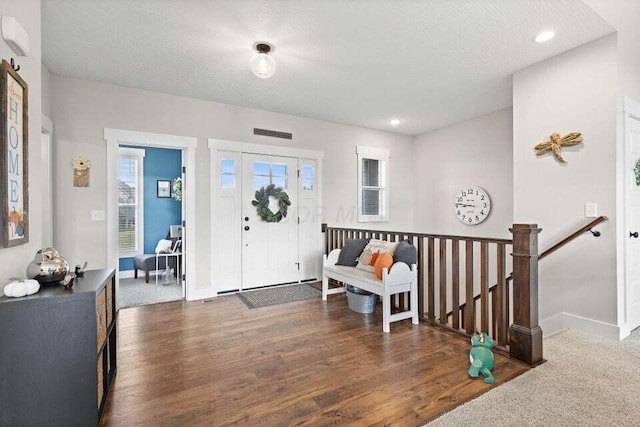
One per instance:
[(399, 279)]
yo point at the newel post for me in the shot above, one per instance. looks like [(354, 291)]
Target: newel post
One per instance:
[(525, 336)]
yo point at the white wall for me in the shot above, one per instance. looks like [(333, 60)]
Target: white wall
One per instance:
[(623, 15), (574, 91), (475, 152), (47, 98), (14, 260), (82, 109)]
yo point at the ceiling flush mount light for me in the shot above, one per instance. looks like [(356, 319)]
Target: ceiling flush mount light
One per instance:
[(262, 64), (394, 122), (544, 36)]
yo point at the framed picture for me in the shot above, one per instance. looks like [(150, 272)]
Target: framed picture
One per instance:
[(164, 188), (14, 155)]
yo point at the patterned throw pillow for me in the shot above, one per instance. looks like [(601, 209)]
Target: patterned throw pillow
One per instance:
[(374, 247)]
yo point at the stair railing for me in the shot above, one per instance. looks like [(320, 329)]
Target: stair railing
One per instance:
[(509, 314)]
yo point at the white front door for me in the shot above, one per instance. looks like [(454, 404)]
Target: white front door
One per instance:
[(269, 249), (632, 214)]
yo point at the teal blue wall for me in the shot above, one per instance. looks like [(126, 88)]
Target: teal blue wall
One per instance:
[(159, 213)]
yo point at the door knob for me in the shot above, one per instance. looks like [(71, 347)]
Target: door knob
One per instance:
[(634, 234), (246, 218), (246, 228)]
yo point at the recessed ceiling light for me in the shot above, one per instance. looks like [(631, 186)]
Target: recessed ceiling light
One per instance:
[(394, 122), (544, 36)]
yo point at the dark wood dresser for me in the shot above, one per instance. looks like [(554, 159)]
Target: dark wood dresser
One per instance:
[(58, 353)]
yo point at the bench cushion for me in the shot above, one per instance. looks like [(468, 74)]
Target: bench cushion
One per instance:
[(365, 276)]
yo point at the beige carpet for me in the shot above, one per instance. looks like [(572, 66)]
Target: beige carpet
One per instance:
[(586, 381)]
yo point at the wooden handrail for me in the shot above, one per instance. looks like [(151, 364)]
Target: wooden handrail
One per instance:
[(572, 236), (426, 235), (553, 248)]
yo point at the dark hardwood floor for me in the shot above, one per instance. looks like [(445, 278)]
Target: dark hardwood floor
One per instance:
[(302, 363)]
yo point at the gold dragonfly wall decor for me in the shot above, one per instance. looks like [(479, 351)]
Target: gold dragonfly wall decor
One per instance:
[(556, 142)]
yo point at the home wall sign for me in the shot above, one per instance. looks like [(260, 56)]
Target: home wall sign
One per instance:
[(14, 179)]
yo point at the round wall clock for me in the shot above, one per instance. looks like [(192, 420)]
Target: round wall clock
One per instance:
[(472, 205)]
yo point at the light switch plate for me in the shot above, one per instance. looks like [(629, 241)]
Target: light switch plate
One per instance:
[(590, 210), (97, 215)]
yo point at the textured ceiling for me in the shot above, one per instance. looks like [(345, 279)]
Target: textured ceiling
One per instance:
[(362, 62)]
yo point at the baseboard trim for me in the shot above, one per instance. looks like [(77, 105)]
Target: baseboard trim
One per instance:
[(562, 321), (126, 274), (553, 325), (200, 294)]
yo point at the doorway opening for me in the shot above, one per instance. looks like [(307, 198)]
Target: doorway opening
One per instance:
[(150, 217), (150, 212)]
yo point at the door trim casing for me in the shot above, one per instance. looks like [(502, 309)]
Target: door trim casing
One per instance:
[(216, 145)]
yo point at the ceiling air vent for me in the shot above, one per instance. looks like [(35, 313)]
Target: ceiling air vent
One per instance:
[(272, 133)]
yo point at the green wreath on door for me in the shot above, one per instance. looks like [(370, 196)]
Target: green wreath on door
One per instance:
[(261, 203)]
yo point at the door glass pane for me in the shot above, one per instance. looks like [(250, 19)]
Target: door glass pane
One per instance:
[(307, 177), (228, 181), (371, 202), (227, 166), (307, 183), (279, 182), (278, 169), (260, 181), (260, 168), (370, 172)]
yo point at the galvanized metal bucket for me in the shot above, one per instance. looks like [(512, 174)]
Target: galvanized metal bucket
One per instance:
[(360, 300)]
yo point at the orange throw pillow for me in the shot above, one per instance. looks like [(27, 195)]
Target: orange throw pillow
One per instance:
[(374, 258), (384, 260)]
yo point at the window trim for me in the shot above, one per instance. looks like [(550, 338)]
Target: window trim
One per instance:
[(383, 156), (137, 154)]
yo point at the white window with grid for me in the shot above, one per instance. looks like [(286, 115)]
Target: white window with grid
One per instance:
[(373, 184), (130, 202)]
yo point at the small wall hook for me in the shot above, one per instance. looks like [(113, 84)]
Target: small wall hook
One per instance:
[(15, 67), (595, 233)]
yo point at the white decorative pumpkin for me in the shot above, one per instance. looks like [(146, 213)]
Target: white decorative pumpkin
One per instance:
[(21, 288)]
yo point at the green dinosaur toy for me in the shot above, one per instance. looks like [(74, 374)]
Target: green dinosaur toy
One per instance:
[(481, 357)]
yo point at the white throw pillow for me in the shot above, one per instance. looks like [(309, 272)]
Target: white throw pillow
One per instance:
[(163, 246), (374, 245)]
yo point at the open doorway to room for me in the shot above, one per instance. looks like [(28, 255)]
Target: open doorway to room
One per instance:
[(150, 217)]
